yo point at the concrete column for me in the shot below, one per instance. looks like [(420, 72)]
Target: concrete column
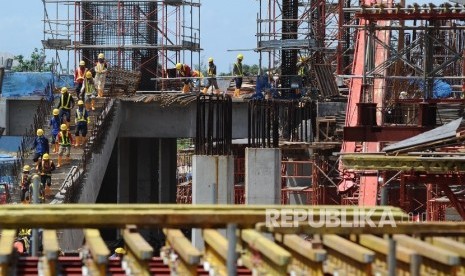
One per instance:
[(147, 152), (262, 176), (124, 172), (212, 183), (167, 162)]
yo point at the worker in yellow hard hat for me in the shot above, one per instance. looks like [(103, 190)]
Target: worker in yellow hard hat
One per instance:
[(55, 128), (100, 69), (45, 168), (65, 140), (79, 75), (238, 75), (89, 92), (211, 73), (65, 105), (40, 145), (26, 181), (119, 253), (184, 71), (82, 120)]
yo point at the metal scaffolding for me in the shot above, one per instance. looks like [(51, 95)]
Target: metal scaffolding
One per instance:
[(146, 36)]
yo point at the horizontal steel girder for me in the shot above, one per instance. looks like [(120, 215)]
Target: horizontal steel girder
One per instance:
[(403, 163)]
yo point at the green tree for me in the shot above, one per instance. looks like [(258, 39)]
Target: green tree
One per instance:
[(251, 70), (35, 64)]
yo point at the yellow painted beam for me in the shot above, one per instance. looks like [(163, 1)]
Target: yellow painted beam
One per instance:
[(98, 250), (272, 251), (443, 256), (183, 246), (6, 250), (51, 251), (349, 249)]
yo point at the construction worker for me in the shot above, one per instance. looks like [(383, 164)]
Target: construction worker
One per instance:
[(184, 71), (26, 181), (40, 145), (45, 168), (238, 75), (88, 90), (303, 71), (81, 120), (65, 140), (79, 75), (119, 253), (65, 105), (55, 128), (100, 73), (211, 73)]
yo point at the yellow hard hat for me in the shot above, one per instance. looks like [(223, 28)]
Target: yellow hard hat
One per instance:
[(63, 127), (64, 89), (120, 250), (40, 132), (82, 63), (56, 111), (178, 66), (26, 168), (88, 74), (80, 102), (101, 56), (240, 56), (210, 59), (46, 156)]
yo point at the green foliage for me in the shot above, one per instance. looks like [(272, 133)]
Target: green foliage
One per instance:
[(251, 70), (35, 64)]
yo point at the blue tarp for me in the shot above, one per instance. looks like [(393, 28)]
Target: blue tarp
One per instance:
[(20, 84)]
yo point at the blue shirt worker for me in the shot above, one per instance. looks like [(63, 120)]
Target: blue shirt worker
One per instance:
[(238, 74), (65, 105), (55, 128), (40, 145), (81, 120)]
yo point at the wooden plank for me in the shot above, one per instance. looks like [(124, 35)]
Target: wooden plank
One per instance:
[(176, 217), (427, 250), (50, 244), (272, 251), (301, 247), (448, 244), (97, 246), (349, 249), (380, 245), (137, 245), (425, 229), (6, 245), (216, 241), (183, 246)]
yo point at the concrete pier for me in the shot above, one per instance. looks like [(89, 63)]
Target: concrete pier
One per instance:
[(212, 183), (262, 176)]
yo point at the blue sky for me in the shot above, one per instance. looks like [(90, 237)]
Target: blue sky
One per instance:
[(224, 25)]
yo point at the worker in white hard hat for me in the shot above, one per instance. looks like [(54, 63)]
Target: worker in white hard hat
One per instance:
[(238, 75), (40, 145), (55, 128), (211, 73), (26, 180), (82, 120), (100, 69), (79, 75), (65, 105), (65, 140), (45, 169), (184, 71)]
